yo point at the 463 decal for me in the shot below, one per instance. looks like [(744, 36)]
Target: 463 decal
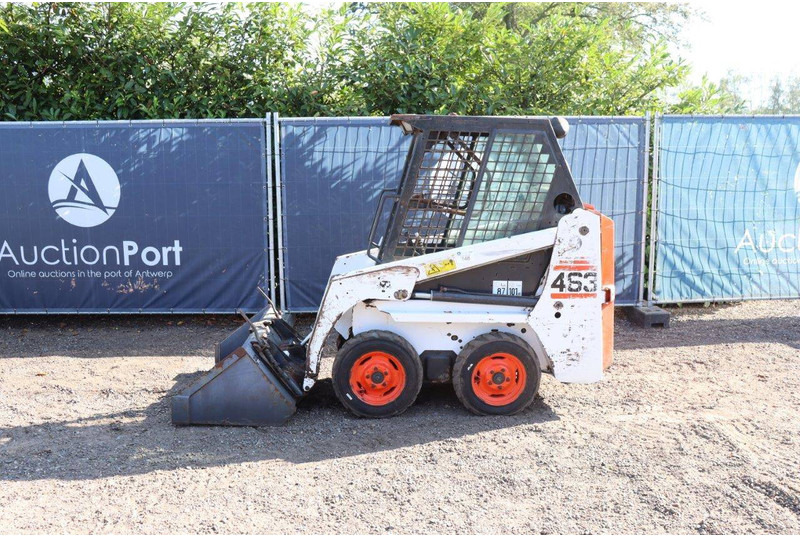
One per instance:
[(575, 279)]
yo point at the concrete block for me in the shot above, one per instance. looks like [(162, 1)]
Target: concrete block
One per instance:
[(649, 316)]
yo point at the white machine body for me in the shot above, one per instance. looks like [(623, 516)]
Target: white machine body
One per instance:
[(565, 327), (490, 271)]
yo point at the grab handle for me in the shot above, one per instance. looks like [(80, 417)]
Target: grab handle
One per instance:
[(384, 195)]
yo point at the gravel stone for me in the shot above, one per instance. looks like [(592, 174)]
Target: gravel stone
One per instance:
[(694, 430)]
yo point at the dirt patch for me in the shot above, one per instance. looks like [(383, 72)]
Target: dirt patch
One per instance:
[(695, 429)]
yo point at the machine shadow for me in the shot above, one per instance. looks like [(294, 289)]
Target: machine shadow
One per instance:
[(143, 441)]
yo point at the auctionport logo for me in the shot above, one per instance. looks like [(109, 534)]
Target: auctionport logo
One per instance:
[(84, 190), (770, 241)]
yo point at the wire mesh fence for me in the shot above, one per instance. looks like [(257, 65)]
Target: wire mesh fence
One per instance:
[(609, 158), (725, 209), (332, 172), (728, 208), (164, 216)]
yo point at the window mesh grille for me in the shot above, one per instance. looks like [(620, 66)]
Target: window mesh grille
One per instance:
[(514, 172), (513, 189), (443, 189)]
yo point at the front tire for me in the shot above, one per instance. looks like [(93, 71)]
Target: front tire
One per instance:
[(496, 374), (377, 374)]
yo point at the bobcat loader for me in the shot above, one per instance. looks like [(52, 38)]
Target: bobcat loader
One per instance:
[(489, 271)]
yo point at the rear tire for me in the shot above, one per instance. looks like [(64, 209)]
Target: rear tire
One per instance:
[(496, 374), (377, 374)]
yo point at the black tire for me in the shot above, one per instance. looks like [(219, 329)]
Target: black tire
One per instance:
[(377, 341), (484, 346)]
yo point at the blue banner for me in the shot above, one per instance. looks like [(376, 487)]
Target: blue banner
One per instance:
[(132, 216), (608, 159), (728, 208), (333, 169)]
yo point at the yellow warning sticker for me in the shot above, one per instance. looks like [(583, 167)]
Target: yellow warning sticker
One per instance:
[(436, 268)]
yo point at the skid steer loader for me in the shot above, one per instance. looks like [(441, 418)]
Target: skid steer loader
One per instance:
[(489, 271)]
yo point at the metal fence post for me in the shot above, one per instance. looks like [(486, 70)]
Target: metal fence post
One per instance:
[(654, 211), (270, 210), (279, 205), (645, 175)]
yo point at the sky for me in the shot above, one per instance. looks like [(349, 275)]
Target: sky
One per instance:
[(757, 39)]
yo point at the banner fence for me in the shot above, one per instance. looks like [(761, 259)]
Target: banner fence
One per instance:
[(333, 169), (133, 216), (185, 216), (727, 209)]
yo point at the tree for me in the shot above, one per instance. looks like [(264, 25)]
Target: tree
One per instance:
[(784, 97), (439, 58), (128, 61), (709, 98), (138, 61), (637, 23)]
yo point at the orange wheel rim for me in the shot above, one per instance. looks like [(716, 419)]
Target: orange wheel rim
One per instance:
[(499, 379), (377, 378)]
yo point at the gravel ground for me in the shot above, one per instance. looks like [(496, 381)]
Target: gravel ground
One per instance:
[(695, 429)]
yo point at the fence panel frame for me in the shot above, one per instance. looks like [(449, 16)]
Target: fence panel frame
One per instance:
[(654, 211), (640, 216), (269, 155), (276, 122), (154, 123), (641, 211), (645, 205), (657, 162), (280, 189)]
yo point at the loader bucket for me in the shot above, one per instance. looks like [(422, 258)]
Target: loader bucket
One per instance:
[(243, 388), (239, 390)]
